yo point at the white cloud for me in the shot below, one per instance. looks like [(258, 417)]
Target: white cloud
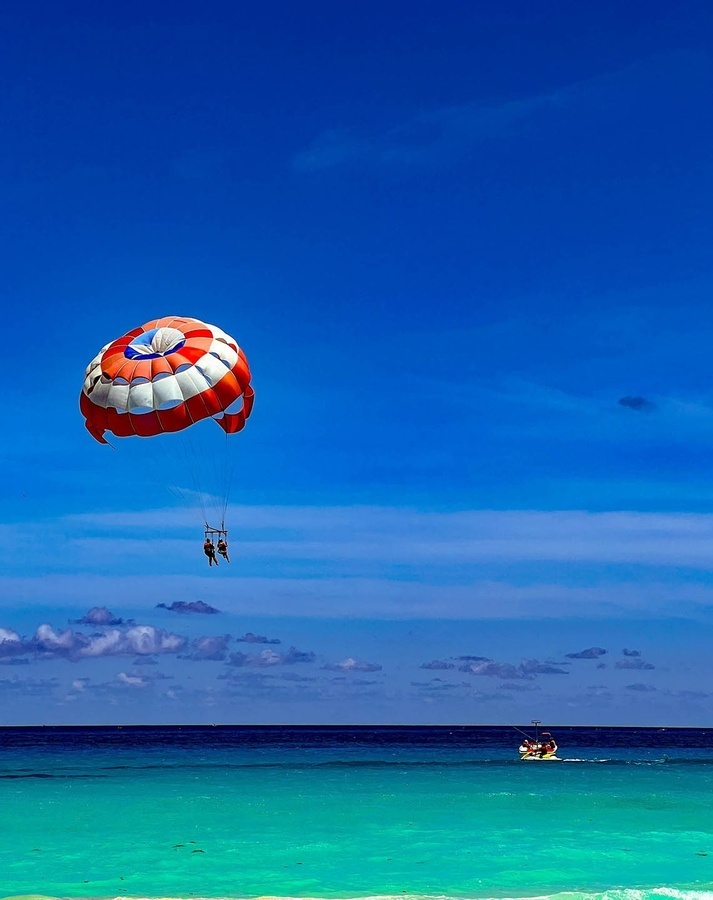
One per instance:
[(141, 640), (10, 642), (353, 665), (131, 680), (51, 641)]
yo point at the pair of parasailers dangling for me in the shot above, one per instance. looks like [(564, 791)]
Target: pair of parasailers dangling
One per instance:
[(209, 548)]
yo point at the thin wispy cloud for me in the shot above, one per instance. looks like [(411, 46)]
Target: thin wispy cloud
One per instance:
[(28, 687), (378, 534), (385, 597), (429, 137), (387, 562), (440, 135)]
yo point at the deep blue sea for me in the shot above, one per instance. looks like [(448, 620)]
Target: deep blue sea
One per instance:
[(326, 812)]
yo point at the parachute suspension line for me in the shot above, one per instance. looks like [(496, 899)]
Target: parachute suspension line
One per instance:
[(154, 455), (230, 466), (173, 487), (192, 466), (207, 464), (219, 479)]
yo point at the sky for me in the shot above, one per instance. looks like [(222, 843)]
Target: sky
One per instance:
[(466, 248)]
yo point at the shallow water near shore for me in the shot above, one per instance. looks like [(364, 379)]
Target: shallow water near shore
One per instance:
[(341, 813)]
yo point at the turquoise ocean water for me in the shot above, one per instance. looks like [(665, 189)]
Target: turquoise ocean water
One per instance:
[(309, 812)]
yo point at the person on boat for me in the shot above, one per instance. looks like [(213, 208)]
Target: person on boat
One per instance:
[(209, 550), (223, 548)]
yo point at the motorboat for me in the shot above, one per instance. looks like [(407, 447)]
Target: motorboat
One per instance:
[(542, 747)]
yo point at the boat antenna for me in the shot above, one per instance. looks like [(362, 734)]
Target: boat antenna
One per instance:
[(536, 723)]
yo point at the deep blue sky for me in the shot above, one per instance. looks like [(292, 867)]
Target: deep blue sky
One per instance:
[(450, 237)]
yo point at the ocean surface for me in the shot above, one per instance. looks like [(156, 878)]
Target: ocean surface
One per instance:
[(355, 812)]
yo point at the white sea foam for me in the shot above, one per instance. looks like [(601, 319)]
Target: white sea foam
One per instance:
[(657, 893)]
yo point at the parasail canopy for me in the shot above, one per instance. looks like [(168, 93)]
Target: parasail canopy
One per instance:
[(165, 376)]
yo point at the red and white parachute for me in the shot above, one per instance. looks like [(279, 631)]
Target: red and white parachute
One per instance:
[(167, 376)]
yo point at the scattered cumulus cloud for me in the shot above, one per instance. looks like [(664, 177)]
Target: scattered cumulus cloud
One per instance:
[(641, 688), (55, 643), (492, 669), (143, 640), (353, 665), (589, 653), (50, 643), (123, 683), (134, 681), (209, 648), (11, 644), (250, 638), (535, 667), (189, 606), (626, 652), (437, 664), (636, 663), (100, 615), (526, 670), (268, 658)]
